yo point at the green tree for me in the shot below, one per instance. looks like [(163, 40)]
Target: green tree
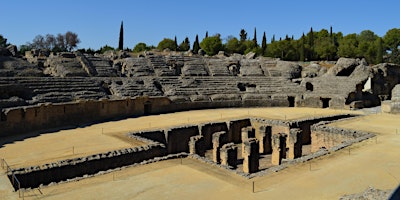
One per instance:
[(243, 35), (211, 45), (379, 51), (255, 37), (348, 46), (185, 45), (264, 45), (139, 47), (367, 46), (104, 49), (3, 41), (392, 42), (302, 48), (233, 45), (24, 48), (196, 45), (206, 34), (250, 46), (166, 43), (324, 48), (121, 37), (176, 44)]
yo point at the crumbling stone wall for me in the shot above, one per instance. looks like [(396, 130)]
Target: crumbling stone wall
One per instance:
[(196, 145), (251, 156), (207, 130), (228, 154), (326, 137), (46, 116), (178, 138), (35, 176), (218, 140), (393, 106)]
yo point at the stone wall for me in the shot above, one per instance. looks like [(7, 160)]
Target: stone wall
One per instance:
[(327, 137), (178, 138), (64, 170), (393, 106), (47, 116)]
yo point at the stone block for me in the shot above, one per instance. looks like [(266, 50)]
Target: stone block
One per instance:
[(295, 143), (218, 140), (197, 145), (251, 156), (278, 148), (228, 154)]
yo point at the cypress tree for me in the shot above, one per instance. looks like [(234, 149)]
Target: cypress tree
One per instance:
[(176, 44), (196, 45), (273, 38), (255, 37), (264, 45), (379, 53), (311, 44), (302, 56), (206, 34), (121, 37)]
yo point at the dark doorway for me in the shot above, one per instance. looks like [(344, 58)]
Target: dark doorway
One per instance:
[(147, 108), (267, 140), (325, 102), (291, 101), (282, 145), (309, 86)]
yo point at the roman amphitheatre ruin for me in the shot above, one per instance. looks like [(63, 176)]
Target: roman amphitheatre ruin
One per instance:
[(174, 125)]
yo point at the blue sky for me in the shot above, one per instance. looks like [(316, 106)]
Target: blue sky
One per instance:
[(97, 22)]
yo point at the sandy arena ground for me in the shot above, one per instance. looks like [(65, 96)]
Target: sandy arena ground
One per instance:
[(374, 162)]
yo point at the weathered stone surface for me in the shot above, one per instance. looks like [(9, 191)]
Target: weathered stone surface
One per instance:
[(197, 145), (344, 67), (228, 153), (251, 156), (13, 50)]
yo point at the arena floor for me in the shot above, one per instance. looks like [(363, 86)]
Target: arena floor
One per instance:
[(373, 162)]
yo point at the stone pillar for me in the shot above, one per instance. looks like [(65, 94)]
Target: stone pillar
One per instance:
[(229, 155), (197, 145), (251, 158), (247, 132), (265, 139), (218, 139), (278, 148), (295, 143)]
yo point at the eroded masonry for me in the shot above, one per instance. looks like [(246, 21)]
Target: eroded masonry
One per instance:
[(43, 90)]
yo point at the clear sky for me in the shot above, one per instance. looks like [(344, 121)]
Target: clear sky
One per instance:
[(97, 22)]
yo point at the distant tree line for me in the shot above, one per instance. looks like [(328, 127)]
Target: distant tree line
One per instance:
[(55, 43), (314, 45)]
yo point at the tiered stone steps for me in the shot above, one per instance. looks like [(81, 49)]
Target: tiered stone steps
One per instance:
[(136, 67), (102, 66), (132, 87), (160, 66), (50, 89), (218, 67), (194, 66)]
